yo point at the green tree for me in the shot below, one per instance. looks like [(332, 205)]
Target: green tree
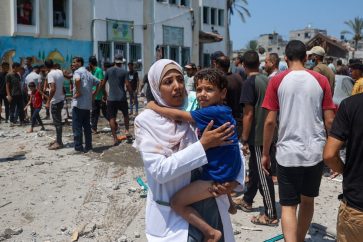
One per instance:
[(356, 28), (252, 45), (235, 7)]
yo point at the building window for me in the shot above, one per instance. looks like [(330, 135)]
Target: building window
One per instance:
[(60, 17), (174, 53), (185, 56), (172, 1), (104, 52), (220, 17), (60, 13), (213, 15), (25, 13), (135, 52), (205, 15), (206, 60), (307, 35), (24, 17), (120, 49), (185, 3)]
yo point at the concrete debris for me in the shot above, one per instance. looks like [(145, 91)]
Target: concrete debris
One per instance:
[(137, 234), (63, 228), (251, 228), (132, 189), (8, 233), (75, 236), (123, 238), (39, 163), (40, 133), (116, 187)]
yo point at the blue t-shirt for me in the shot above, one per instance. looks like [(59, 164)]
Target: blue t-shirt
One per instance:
[(224, 162)]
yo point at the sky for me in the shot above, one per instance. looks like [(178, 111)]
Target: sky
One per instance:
[(282, 16)]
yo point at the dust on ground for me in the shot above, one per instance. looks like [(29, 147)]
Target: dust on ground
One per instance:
[(59, 196)]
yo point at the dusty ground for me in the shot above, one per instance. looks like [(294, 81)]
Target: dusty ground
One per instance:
[(52, 195)]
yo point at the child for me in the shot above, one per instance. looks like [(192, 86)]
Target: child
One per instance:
[(36, 102), (224, 162)]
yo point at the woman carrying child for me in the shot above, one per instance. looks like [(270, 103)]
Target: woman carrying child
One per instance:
[(171, 151)]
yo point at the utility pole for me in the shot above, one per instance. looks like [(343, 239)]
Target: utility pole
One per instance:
[(149, 33)]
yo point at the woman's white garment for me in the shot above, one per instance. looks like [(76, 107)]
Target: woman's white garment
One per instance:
[(170, 152), (168, 167)]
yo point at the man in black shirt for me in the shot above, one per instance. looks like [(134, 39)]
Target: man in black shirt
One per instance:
[(347, 127), (3, 73), (134, 82), (14, 95)]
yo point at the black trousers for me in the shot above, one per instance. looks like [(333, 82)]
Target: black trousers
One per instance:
[(97, 107), (17, 108), (258, 180), (56, 110)]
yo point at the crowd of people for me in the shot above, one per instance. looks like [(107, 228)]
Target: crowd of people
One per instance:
[(198, 128), (25, 90)]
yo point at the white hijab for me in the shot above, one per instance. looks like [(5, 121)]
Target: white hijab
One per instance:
[(155, 133)]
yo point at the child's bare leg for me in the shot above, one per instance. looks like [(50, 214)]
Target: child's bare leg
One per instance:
[(194, 192), (232, 209)]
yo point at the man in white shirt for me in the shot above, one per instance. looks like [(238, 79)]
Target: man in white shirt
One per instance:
[(34, 77), (56, 101)]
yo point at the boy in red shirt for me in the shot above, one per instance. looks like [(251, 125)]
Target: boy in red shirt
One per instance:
[(36, 102)]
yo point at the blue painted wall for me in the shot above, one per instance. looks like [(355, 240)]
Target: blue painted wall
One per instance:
[(20, 47)]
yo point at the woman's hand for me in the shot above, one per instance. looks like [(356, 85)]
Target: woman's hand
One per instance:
[(152, 105), (218, 189), (218, 136)]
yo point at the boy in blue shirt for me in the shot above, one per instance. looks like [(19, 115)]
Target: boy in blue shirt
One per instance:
[(224, 162)]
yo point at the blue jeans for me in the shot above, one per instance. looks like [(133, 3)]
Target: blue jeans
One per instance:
[(134, 101), (81, 124), (36, 117)]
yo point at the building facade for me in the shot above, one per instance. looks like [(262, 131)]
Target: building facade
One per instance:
[(272, 43), (44, 29), (306, 34), (140, 30)]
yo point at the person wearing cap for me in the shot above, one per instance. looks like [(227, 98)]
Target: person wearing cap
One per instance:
[(117, 78), (190, 69), (356, 68), (318, 54)]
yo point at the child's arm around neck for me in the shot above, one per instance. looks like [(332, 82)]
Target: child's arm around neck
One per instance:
[(171, 113)]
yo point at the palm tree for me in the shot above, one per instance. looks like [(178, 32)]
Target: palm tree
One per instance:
[(235, 7), (356, 28)]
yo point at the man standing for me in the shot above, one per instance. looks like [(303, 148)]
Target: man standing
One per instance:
[(272, 62), (33, 77), (117, 78), (234, 89), (304, 102), (356, 68), (190, 69), (318, 54), (55, 101), (98, 104), (253, 93), (238, 62), (14, 96), (82, 105), (134, 82), (4, 71), (347, 128)]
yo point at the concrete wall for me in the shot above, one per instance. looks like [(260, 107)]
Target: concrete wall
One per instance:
[(41, 44), (5, 18), (16, 49), (222, 30)]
